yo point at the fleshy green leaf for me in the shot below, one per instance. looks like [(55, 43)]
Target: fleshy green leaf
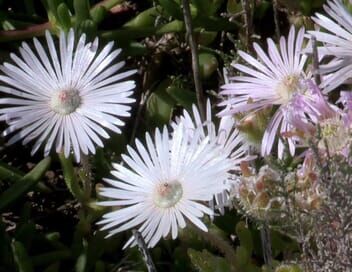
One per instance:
[(204, 261), (64, 16), (288, 268), (242, 256), (245, 236), (50, 257), (88, 27), (173, 26), (9, 173), (98, 14), (21, 257), (160, 105), (52, 6), (99, 267), (81, 8), (81, 262), (212, 23), (144, 19), (135, 49), (207, 7), (208, 64), (25, 184), (172, 9), (55, 267), (183, 97)]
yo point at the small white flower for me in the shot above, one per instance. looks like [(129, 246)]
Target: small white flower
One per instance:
[(273, 79), (336, 42), (65, 98), (225, 135), (164, 183)]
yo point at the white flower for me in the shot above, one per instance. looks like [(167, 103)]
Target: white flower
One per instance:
[(336, 42), (65, 98), (225, 135), (272, 80), (164, 183)]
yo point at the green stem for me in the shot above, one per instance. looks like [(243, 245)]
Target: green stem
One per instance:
[(144, 251), (85, 175), (248, 22), (70, 177), (195, 60), (276, 20)]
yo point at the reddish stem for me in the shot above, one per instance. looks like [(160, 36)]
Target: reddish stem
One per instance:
[(29, 32)]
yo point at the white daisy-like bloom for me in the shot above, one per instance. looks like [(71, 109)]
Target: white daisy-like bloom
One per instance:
[(64, 98), (336, 40), (162, 185), (273, 79), (225, 135)]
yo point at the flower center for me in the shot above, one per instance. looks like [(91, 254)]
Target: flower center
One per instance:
[(334, 134), (167, 194), (287, 87), (65, 102), (329, 128)]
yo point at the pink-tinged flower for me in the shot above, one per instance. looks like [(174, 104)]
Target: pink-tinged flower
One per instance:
[(273, 79), (224, 134), (346, 100), (316, 118), (336, 42), (65, 97), (308, 168), (306, 110)]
